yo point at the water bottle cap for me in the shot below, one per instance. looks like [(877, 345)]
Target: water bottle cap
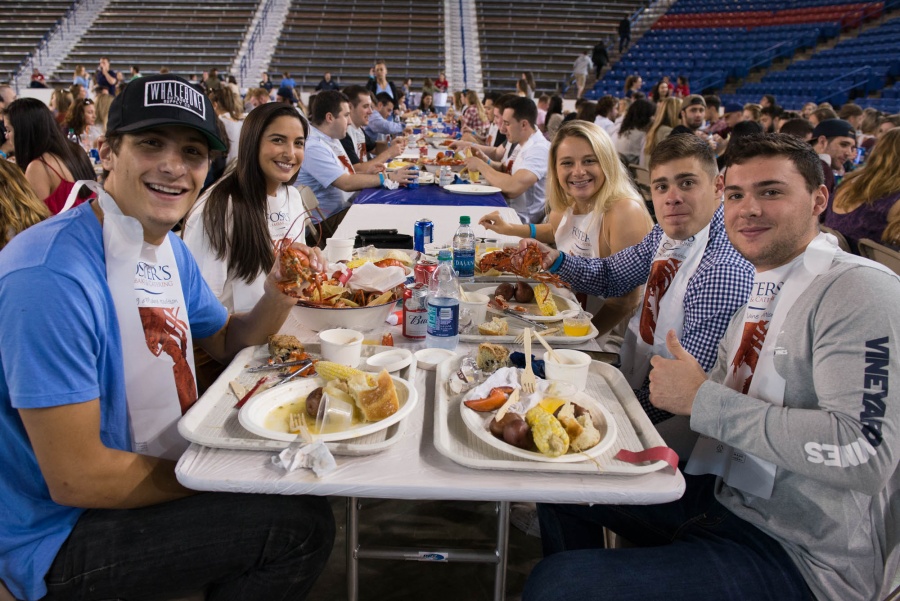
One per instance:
[(444, 255), (465, 220)]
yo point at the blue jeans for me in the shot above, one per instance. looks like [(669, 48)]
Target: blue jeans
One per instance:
[(690, 549), (236, 546)]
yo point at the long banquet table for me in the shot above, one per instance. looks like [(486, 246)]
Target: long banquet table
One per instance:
[(414, 469)]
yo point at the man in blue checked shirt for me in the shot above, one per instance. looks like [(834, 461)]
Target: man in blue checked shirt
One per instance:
[(695, 280)]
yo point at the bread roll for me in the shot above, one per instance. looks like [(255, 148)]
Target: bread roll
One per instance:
[(496, 327), (375, 402)]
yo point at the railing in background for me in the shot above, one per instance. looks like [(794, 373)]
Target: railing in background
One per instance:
[(842, 94), (67, 21), (462, 34), (251, 45)]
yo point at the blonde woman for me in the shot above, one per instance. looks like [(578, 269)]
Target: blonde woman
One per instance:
[(474, 118), (867, 199), (594, 212), (20, 208), (665, 119), (101, 108)]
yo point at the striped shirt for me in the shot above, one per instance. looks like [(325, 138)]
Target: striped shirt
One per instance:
[(719, 287)]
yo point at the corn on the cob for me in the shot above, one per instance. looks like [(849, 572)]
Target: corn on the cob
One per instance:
[(549, 435), (544, 298), (330, 370)]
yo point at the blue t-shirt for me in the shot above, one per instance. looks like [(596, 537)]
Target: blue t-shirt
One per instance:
[(59, 345)]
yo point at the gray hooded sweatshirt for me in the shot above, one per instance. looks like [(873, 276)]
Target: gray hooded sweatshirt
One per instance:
[(835, 506)]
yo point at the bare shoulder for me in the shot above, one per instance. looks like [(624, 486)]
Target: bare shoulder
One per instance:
[(628, 212)]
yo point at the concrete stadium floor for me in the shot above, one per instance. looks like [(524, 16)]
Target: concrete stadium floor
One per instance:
[(426, 524)]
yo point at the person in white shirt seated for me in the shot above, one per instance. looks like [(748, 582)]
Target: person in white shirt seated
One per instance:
[(326, 168), (523, 185)]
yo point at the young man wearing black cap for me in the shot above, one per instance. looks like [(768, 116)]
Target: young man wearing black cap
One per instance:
[(834, 140), (93, 505)]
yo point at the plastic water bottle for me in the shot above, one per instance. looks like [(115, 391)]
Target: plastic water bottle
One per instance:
[(73, 137), (443, 305), (464, 250)]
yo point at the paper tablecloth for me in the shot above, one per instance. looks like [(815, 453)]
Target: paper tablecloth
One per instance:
[(413, 469)]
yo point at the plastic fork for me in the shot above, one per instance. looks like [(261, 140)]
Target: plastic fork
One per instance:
[(528, 380), (521, 337)]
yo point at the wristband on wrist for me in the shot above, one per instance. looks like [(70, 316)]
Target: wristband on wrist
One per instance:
[(557, 263), (381, 178), (4, 155), (532, 231)]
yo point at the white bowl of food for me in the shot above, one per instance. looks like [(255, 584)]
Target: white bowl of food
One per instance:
[(318, 318)]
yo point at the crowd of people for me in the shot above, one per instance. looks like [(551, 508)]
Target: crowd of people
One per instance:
[(728, 305)]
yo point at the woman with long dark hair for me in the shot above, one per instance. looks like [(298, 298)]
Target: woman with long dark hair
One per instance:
[(51, 163), (231, 229), (631, 135), (554, 117)]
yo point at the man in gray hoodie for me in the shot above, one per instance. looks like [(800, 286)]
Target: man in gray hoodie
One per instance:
[(797, 421)]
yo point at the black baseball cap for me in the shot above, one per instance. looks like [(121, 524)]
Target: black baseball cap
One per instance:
[(833, 128), (159, 100)]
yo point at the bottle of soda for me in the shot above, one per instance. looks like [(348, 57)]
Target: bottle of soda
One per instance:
[(443, 305), (464, 250)]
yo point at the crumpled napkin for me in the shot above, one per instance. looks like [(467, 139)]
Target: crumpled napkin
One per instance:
[(509, 376), (371, 278), (316, 456)]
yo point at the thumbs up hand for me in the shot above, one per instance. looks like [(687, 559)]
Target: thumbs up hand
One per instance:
[(674, 382)]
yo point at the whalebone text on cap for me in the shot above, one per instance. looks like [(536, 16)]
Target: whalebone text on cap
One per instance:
[(175, 94)]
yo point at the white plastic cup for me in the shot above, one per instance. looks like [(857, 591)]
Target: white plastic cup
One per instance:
[(574, 372), (334, 415), (339, 249), (341, 346), (476, 306)]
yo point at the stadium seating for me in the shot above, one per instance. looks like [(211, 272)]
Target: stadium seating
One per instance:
[(346, 36), (854, 67), (187, 38), (33, 21), (542, 37)]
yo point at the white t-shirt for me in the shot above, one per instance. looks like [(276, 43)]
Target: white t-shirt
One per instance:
[(359, 142), (532, 156), (233, 129), (324, 162), (282, 212), (608, 125)]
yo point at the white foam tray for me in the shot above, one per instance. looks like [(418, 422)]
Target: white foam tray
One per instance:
[(213, 420), (454, 440)]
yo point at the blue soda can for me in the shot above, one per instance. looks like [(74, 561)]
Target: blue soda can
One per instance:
[(423, 232), (414, 183), (95, 155)]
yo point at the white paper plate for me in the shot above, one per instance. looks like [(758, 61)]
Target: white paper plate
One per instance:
[(390, 360), (429, 358), (565, 305), (478, 422), (478, 189), (252, 416)]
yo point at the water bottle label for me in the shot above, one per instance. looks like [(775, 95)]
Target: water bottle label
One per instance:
[(443, 321), (464, 263)]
